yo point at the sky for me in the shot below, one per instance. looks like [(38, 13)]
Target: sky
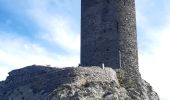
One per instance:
[(47, 32)]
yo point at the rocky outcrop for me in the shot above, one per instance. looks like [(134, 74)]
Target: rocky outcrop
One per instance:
[(80, 83)]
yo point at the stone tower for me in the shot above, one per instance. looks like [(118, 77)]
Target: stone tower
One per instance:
[(108, 33)]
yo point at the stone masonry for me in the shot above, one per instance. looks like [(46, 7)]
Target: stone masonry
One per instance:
[(108, 38), (108, 33)]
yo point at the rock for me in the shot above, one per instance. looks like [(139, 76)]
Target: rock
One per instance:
[(81, 83)]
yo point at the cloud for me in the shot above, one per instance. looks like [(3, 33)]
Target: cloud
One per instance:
[(17, 51), (59, 28), (56, 28), (153, 61), (155, 66), (4, 72)]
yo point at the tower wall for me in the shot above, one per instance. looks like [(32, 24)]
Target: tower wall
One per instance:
[(108, 33)]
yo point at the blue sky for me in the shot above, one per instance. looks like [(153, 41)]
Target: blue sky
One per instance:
[(48, 32)]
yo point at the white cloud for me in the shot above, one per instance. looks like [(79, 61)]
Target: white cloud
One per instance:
[(18, 52), (154, 65), (56, 28), (4, 72)]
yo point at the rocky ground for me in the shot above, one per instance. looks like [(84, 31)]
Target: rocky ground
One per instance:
[(80, 83)]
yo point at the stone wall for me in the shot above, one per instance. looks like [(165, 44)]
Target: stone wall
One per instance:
[(108, 33)]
